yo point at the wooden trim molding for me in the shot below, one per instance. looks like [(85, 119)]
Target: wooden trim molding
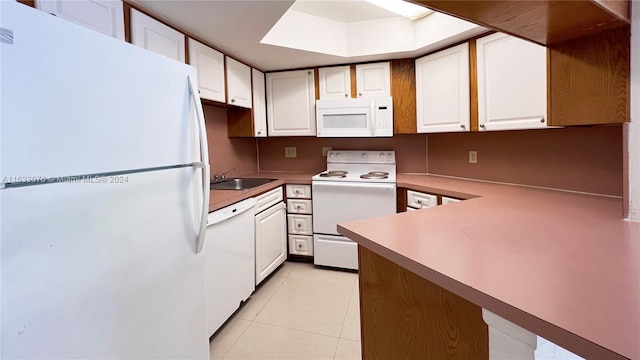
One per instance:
[(473, 85)]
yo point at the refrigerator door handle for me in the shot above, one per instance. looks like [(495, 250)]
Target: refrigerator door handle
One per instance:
[(203, 164)]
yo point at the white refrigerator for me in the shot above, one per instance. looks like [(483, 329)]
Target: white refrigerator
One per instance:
[(103, 196)]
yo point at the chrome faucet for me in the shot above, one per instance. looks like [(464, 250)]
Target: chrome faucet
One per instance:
[(222, 176)]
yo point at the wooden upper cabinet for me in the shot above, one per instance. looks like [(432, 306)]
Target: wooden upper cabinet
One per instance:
[(105, 16), (545, 22), (335, 82), (291, 103), (442, 91), (238, 83), (512, 83), (210, 65), (373, 79), (153, 35)]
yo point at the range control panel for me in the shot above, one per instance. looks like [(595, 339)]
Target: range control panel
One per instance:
[(361, 157)]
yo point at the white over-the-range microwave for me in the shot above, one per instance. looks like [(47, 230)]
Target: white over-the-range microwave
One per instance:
[(361, 117)]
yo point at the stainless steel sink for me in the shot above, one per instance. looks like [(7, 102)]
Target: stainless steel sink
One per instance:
[(239, 183)]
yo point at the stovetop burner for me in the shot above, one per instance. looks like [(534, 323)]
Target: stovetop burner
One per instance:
[(335, 174), (375, 175)]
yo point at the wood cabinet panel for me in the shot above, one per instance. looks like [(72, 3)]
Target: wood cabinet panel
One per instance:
[(403, 90), (589, 80), (404, 316), (543, 22)]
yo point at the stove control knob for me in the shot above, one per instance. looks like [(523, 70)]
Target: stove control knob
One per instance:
[(337, 156), (364, 156), (381, 156)]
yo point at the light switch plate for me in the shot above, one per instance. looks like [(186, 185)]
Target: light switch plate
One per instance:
[(290, 152)]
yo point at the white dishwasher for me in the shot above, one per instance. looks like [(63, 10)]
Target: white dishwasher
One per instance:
[(229, 261)]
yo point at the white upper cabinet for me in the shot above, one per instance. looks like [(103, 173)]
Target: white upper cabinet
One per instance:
[(442, 91), (105, 16), (335, 82), (259, 104), (512, 83), (238, 83), (291, 103), (210, 65), (373, 79), (153, 35)]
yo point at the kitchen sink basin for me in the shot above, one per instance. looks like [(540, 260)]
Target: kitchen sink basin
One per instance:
[(239, 183)]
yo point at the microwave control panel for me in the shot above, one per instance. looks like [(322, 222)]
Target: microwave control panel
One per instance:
[(384, 116)]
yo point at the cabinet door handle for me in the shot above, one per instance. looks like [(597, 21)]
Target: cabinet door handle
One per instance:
[(462, 126), (346, 95), (359, 94), (482, 126), (542, 120), (233, 100), (300, 246), (299, 225), (419, 201)]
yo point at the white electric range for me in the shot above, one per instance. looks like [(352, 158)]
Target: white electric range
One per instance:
[(356, 185)]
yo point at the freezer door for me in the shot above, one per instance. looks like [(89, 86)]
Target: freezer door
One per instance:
[(76, 102), (103, 270)]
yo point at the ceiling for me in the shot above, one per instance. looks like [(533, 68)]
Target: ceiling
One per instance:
[(236, 27)]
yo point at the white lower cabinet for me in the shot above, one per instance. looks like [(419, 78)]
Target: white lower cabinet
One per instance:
[(300, 224), (449, 200), (419, 200), (270, 235), (299, 219), (301, 245)]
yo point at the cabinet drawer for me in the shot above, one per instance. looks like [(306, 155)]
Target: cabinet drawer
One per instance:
[(448, 200), (421, 200), (299, 206), (299, 191), (300, 224), (268, 199), (301, 245)]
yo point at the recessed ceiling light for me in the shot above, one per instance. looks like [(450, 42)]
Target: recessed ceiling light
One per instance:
[(403, 8)]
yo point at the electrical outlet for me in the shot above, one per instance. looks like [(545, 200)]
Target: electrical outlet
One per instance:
[(325, 150), (290, 152), (473, 157)]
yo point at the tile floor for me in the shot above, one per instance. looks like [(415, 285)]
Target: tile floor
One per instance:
[(301, 312)]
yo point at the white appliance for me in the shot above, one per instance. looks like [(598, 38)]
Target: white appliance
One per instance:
[(229, 256), (103, 197), (357, 185), (361, 117), (271, 233)]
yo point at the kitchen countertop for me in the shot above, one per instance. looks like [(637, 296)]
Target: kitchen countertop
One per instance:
[(221, 198), (562, 265)]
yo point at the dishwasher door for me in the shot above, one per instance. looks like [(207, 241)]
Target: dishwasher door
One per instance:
[(229, 261)]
